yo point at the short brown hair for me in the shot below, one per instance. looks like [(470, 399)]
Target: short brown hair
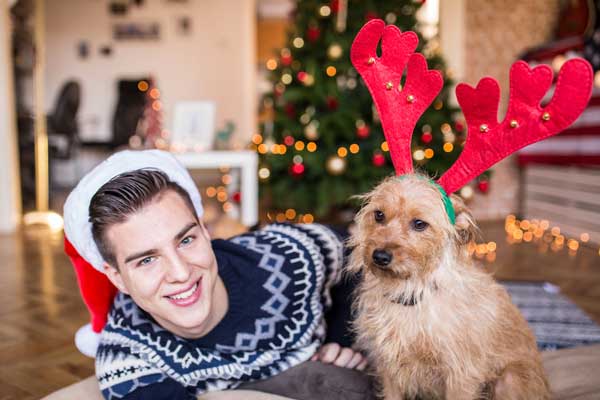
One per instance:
[(123, 196)]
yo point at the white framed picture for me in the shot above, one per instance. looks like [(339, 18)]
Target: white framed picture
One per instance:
[(194, 124)]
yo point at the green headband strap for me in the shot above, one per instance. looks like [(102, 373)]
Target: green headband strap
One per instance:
[(447, 203)]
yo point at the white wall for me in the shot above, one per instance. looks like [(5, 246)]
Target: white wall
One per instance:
[(10, 209), (216, 61)]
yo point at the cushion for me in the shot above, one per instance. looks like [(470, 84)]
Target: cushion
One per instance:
[(573, 373)]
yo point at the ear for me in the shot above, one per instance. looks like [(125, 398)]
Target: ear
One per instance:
[(115, 277), (464, 224)]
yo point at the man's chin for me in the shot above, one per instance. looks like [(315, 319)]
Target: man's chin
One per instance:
[(189, 322)]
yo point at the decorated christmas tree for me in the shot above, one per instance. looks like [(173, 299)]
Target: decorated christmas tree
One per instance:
[(324, 142), (149, 132)]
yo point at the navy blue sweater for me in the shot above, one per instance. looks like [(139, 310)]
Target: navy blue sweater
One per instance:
[(278, 281)]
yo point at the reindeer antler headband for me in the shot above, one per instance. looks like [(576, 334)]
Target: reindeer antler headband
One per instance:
[(488, 141)]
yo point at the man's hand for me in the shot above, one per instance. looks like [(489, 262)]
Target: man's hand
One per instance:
[(333, 353)]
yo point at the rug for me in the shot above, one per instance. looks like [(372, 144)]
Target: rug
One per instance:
[(556, 321)]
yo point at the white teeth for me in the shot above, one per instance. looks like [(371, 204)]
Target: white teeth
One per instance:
[(185, 294)]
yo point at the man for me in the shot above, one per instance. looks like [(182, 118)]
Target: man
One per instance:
[(192, 315)]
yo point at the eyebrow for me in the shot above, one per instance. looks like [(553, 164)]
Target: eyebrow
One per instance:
[(185, 230), (149, 252)]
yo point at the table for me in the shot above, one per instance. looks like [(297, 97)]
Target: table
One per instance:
[(245, 160)]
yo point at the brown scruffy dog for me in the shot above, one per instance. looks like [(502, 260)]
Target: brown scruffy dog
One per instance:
[(432, 323)]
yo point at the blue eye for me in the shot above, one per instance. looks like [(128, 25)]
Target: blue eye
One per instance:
[(145, 261), (187, 240)]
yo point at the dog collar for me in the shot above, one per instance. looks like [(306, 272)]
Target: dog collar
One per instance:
[(445, 199)]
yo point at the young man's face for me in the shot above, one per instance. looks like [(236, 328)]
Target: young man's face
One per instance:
[(166, 263)]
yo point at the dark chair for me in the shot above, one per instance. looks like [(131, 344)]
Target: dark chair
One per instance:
[(129, 111), (63, 130)]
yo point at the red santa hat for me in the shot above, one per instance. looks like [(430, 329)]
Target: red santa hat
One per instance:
[(96, 289)]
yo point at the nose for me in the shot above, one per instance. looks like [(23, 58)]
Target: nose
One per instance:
[(382, 257), (178, 269)]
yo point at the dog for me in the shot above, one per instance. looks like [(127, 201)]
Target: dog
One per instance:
[(431, 322)]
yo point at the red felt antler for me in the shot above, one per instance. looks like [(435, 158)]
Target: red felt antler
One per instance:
[(488, 140), (399, 109), (526, 122)]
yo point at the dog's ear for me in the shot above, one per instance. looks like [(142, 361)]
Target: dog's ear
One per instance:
[(465, 224)]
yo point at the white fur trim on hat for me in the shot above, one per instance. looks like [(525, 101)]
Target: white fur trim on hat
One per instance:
[(78, 227), (87, 341)]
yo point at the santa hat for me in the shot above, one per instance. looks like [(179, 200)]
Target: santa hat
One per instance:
[(96, 289)]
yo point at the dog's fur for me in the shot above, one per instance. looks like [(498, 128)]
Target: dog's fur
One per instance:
[(463, 338)]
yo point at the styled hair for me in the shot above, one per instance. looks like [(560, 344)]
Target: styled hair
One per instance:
[(123, 196)]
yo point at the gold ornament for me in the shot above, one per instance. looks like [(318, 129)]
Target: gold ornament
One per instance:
[(309, 80), (514, 124), (546, 116), (466, 193), (325, 11), (389, 86), (335, 51), (264, 173), (336, 165), (391, 18), (311, 132), (351, 83), (483, 128), (410, 98)]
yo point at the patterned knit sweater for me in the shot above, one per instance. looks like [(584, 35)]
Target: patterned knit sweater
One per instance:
[(277, 281)]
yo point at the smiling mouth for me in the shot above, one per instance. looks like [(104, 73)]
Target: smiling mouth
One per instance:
[(187, 297)]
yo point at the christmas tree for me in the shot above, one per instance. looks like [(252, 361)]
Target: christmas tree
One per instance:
[(324, 142), (149, 132)]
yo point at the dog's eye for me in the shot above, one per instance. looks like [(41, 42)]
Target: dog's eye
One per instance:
[(379, 216), (418, 225)]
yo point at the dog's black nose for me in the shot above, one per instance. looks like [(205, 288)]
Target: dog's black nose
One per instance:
[(382, 257)]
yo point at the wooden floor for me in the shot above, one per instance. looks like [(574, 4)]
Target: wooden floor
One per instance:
[(40, 307)]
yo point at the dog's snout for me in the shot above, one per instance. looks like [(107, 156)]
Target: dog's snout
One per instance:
[(382, 257)]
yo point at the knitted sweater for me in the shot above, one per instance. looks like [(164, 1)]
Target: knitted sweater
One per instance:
[(277, 280)]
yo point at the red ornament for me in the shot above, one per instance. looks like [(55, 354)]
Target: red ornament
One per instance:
[(297, 170), (483, 186), (371, 15), (378, 160), (459, 126), (335, 6), (290, 110), (301, 76), (313, 33), (286, 60), (363, 131), (288, 140), (279, 89), (332, 103), (236, 197), (426, 137)]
